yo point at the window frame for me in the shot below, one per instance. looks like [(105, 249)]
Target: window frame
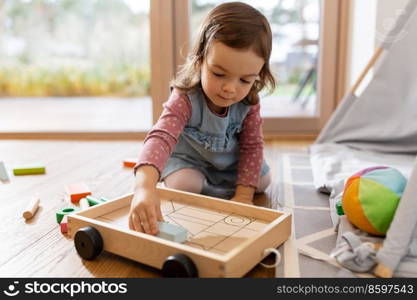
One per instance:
[(169, 47)]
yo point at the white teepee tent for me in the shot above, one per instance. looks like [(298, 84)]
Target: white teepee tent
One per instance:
[(379, 127), (384, 116)]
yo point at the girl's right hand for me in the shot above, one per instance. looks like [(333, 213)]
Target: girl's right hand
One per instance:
[(145, 211)]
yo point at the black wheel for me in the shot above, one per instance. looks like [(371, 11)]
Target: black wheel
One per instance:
[(88, 242), (179, 265)]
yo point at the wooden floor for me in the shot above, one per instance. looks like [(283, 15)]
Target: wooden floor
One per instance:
[(36, 248)]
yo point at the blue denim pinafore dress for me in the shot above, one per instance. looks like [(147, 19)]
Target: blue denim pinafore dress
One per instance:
[(209, 144)]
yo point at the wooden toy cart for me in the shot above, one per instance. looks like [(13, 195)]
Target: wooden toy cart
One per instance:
[(225, 238)]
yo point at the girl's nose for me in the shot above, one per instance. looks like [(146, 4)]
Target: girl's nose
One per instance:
[(229, 87)]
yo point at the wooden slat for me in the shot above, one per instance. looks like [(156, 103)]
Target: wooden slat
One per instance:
[(73, 135)]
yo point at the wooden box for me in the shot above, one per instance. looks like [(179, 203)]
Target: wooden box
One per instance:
[(225, 238)]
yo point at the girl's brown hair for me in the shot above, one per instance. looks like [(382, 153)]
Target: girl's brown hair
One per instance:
[(239, 26)]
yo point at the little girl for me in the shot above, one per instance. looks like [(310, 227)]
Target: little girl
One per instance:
[(209, 136)]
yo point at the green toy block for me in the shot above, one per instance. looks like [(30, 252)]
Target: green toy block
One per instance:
[(94, 201), (339, 208), (65, 211), (29, 169), (172, 232)]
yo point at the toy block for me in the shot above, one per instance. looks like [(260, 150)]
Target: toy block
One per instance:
[(31, 169), (31, 209), (65, 211), (130, 162), (94, 201), (64, 225), (383, 271), (172, 232), (3, 172), (339, 208), (77, 191), (84, 203)]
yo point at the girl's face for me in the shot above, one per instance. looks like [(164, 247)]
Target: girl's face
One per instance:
[(227, 74)]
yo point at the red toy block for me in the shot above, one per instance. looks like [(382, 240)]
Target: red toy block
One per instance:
[(77, 191), (129, 162), (64, 225)]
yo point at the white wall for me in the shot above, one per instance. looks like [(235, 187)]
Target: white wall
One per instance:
[(362, 33), (371, 21)]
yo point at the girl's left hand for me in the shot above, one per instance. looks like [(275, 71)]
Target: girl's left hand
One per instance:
[(244, 194), (242, 199)]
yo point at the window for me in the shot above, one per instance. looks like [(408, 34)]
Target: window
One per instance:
[(96, 52), (301, 36), (75, 48)]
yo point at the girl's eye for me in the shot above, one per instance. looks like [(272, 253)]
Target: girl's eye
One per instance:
[(217, 74), (245, 81)]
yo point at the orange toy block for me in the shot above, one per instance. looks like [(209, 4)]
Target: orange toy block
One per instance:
[(130, 162), (77, 191)]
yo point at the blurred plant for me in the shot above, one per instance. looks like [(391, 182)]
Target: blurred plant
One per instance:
[(43, 81), (295, 76), (74, 48)]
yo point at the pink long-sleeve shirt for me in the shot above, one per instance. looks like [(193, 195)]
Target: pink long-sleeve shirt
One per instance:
[(161, 140)]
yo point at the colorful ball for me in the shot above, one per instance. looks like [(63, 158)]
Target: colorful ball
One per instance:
[(371, 197)]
